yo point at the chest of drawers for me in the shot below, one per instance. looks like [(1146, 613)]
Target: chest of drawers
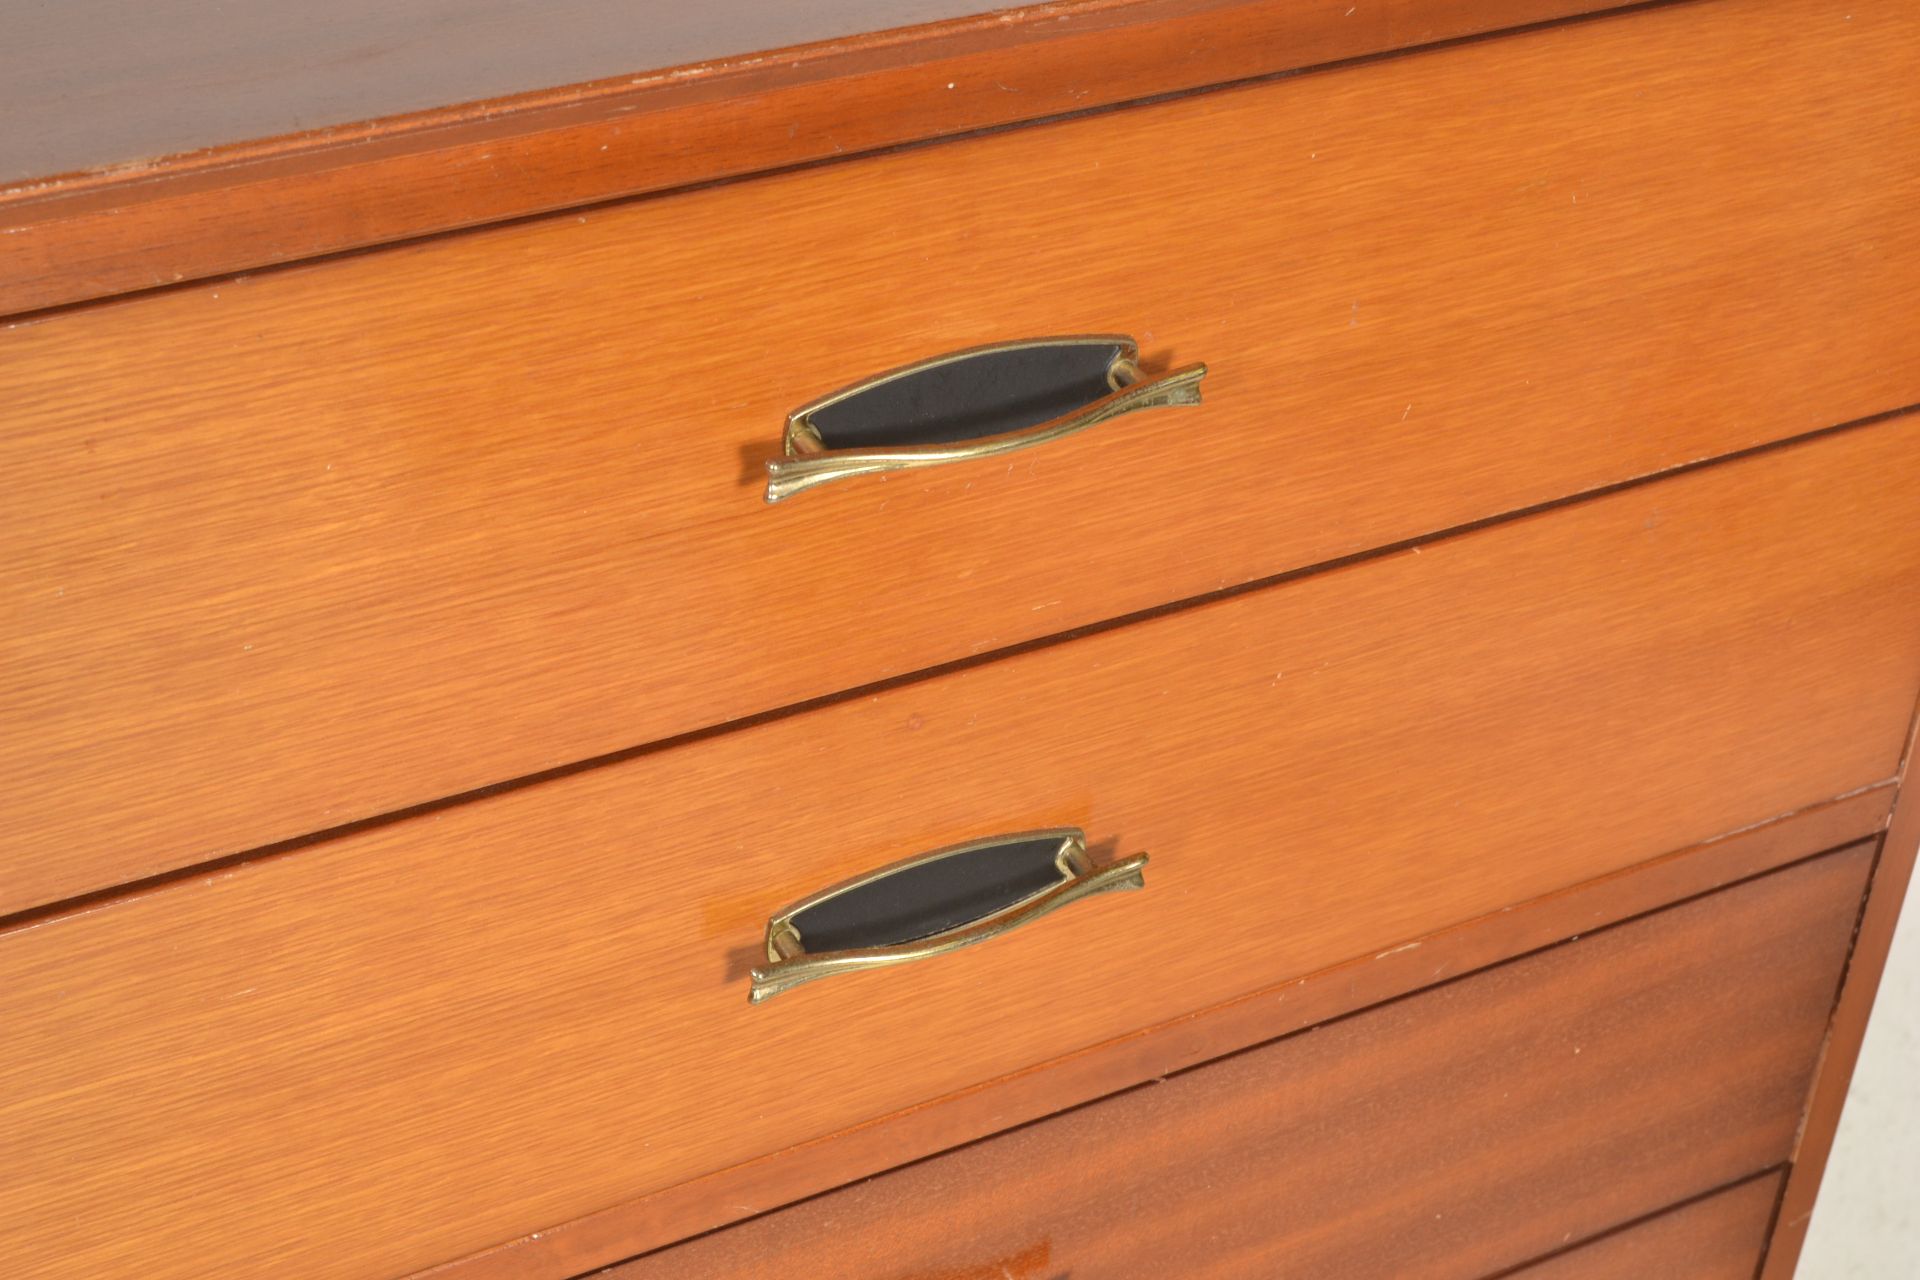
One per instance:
[(587, 666)]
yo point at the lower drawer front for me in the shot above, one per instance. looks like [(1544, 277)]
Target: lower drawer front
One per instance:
[(1718, 1237), (1454, 1133)]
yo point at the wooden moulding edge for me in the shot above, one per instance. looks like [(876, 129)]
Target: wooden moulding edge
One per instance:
[(89, 235)]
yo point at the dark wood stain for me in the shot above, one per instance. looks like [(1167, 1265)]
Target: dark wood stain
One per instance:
[(1716, 1237)]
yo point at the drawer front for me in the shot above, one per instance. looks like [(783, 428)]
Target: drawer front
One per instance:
[(1720, 1237), (504, 1014), (286, 552), (1449, 1135)]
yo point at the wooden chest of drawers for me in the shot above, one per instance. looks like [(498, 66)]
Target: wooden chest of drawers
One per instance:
[(456, 781)]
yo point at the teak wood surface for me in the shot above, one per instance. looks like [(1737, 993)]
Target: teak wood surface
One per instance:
[(413, 1042), (569, 1249), (88, 208), (1718, 1237), (289, 553), (1445, 1136)]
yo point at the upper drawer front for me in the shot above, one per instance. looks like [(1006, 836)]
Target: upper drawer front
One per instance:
[(433, 1035), (285, 552), (1447, 1136)]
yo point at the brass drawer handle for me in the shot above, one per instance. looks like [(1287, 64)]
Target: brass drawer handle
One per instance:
[(977, 403), (932, 904)]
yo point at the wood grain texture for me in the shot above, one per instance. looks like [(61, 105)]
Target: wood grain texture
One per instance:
[(1892, 879), (284, 554), (406, 1044), (69, 236), (783, 1177), (1442, 1137), (1719, 1237), (96, 84)]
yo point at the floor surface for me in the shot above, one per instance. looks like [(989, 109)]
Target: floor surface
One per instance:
[(1866, 1225)]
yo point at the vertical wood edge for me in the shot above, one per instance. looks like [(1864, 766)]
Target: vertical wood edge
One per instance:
[(1860, 983)]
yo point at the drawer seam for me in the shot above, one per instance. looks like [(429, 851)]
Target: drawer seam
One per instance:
[(280, 848)]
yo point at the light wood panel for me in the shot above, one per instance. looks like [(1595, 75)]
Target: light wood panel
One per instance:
[(285, 190), (286, 553), (1442, 1137), (785, 1176), (401, 1046), (1717, 1238)]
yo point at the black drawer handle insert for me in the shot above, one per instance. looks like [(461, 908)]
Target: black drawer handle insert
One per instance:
[(977, 403), (932, 904)]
